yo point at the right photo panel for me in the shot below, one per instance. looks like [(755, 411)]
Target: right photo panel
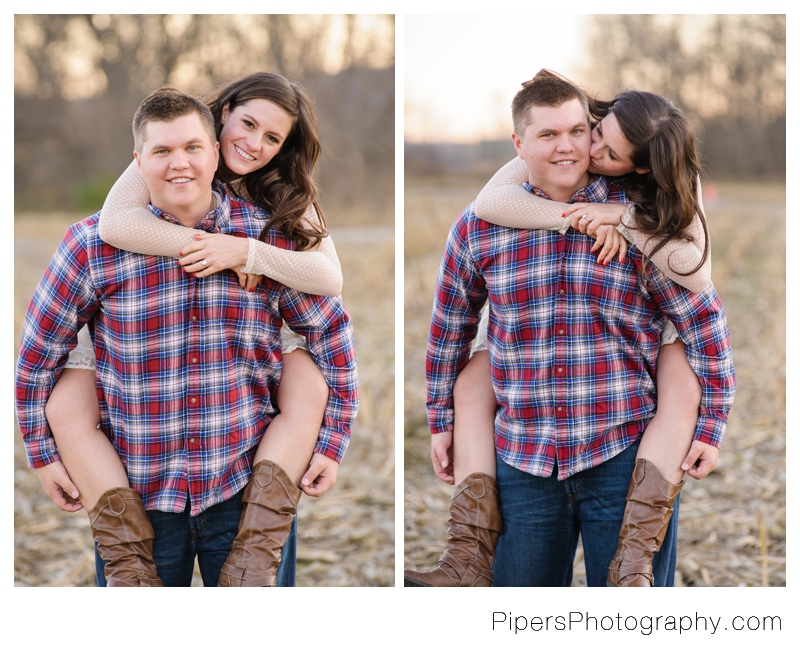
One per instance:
[(588, 400)]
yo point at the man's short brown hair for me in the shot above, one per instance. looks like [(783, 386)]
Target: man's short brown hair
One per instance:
[(167, 104), (546, 89)]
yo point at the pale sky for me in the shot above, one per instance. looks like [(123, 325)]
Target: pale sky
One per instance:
[(461, 72)]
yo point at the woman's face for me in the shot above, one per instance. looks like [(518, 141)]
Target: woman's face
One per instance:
[(610, 153), (252, 134)]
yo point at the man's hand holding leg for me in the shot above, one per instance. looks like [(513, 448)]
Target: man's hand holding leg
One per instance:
[(442, 456), (59, 486), (701, 460), (320, 476)]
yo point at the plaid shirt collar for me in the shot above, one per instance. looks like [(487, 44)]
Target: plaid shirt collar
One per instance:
[(596, 191), (217, 219)]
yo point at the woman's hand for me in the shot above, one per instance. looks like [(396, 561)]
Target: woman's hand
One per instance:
[(59, 486), (320, 475), (210, 253), (611, 243), (247, 280), (587, 217)]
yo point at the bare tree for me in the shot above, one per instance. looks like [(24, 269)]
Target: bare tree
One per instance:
[(728, 72)]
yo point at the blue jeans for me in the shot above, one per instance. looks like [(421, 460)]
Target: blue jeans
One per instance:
[(209, 536), (543, 518)]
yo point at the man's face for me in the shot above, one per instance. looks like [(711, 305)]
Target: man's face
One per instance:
[(555, 148), (177, 162)]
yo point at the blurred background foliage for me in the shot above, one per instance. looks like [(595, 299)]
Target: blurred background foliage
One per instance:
[(79, 78), (727, 72)]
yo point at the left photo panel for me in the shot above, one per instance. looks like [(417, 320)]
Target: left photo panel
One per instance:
[(204, 283)]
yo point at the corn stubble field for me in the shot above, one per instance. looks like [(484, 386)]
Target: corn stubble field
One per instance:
[(733, 522), (346, 538)]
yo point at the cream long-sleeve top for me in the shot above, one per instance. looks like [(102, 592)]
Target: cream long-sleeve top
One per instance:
[(505, 202), (126, 224)]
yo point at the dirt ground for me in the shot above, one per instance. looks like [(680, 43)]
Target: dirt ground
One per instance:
[(346, 538), (732, 523)]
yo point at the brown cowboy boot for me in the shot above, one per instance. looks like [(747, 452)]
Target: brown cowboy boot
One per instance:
[(474, 527), (270, 503), (124, 537), (644, 525)]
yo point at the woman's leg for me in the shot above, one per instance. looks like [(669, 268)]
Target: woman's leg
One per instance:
[(475, 522), (290, 438), (667, 438), (473, 428), (73, 414), (119, 523), (657, 477), (271, 497)]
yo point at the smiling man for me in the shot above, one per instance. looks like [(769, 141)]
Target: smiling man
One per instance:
[(554, 142), (177, 159), (187, 367), (572, 348)]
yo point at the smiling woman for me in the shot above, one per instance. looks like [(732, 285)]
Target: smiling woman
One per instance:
[(252, 133)]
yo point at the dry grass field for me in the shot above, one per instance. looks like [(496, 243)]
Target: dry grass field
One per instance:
[(732, 523), (346, 538)]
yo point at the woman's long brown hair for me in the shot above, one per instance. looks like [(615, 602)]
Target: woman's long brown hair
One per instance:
[(666, 197), (285, 187)]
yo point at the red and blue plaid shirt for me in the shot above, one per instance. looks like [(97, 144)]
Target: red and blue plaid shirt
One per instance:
[(572, 344), (187, 368)]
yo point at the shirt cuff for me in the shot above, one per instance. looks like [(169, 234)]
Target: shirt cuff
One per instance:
[(627, 221), (41, 454), (251, 255), (710, 429), (332, 443), (440, 420)]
